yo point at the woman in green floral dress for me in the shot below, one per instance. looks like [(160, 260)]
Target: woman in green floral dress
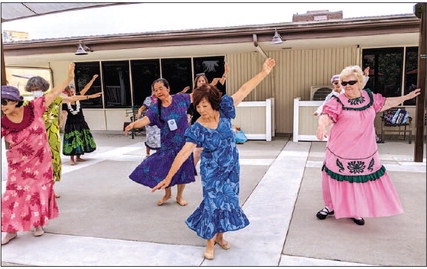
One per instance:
[(38, 86), (78, 139)]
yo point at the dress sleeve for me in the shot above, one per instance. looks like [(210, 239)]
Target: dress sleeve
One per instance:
[(227, 107), (194, 135), (153, 114), (332, 108), (186, 99), (379, 101), (147, 102)]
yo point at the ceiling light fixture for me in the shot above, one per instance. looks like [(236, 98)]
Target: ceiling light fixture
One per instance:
[(82, 49), (277, 39)]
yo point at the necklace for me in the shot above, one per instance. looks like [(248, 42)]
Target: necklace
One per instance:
[(72, 111)]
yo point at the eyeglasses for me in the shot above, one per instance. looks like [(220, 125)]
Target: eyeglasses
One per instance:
[(4, 101), (335, 83), (351, 82)]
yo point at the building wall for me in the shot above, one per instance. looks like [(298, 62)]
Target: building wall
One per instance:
[(295, 72)]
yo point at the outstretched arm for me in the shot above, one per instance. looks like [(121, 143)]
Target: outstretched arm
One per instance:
[(56, 91), (74, 98), (395, 101), (87, 86), (137, 124), (253, 82), (323, 122), (224, 76), (180, 158)]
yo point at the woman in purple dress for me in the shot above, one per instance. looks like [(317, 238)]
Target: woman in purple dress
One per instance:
[(169, 113)]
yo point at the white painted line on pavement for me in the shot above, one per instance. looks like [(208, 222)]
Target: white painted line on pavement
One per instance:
[(287, 260)]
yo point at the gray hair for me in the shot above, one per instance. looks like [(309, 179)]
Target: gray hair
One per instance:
[(37, 82)]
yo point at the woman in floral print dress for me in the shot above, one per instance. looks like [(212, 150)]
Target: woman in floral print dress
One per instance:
[(29, 199), (219, 210), (354, 182), (38, 86)]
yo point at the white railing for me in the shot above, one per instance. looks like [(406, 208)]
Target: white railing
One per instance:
[(305, 123), (256, 118)]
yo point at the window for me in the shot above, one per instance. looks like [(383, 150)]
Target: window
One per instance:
[(83, 74), (387, 70), (116, 84), (178, 72), (144, 72), (411, 72), (213, 67), (18, 77)]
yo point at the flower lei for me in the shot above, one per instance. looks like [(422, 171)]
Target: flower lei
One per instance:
[(72, 111)]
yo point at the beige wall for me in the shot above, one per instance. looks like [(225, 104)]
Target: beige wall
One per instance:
[(295, 72)]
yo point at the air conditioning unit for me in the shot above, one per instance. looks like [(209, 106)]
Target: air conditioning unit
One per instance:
[(318, 93)]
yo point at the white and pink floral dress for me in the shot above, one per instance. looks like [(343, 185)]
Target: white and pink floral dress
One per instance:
[(29, 199), (354, 181)]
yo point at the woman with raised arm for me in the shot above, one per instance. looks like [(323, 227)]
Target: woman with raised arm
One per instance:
[(169, 113), (29, 200), (38, 86), (78, 138), (219, 211), (354, 182)]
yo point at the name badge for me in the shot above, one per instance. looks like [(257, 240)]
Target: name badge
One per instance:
[(172, 125)]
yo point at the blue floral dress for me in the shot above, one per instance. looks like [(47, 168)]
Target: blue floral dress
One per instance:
[(155, 168), (219, 211)]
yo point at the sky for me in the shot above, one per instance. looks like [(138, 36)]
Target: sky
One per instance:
[(151, 17)]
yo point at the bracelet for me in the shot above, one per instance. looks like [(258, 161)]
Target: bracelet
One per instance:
[(87, 96)]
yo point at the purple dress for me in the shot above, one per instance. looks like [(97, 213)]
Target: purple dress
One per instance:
[(155, 168)]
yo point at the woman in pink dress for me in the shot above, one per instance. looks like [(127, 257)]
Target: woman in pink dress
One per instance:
[(354, 182), (29, 200)]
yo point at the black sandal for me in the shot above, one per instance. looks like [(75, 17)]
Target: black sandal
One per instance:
[(322, 214)]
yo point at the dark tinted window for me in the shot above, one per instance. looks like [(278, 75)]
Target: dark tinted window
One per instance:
[(177, 72), (386, 70), (411, 72), (213, 67), (83, 74), (116, 84), (144, 72)]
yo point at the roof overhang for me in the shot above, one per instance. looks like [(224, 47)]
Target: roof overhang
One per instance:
[(16, 11), (387, 29)]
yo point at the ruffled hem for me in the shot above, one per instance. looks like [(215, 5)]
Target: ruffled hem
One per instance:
[(207, 225), (156, 167), (355, 179), (377, 198)]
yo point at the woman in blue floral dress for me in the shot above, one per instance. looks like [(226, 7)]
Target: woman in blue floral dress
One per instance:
[(169, 113), (219, 211)]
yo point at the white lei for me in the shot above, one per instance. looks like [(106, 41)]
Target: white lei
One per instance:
[(70, 108)]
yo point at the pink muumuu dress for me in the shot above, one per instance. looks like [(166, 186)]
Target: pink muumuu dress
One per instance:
[(354, 181), (29, 199)]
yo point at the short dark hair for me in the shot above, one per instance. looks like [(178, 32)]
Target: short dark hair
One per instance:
[(210, 93), (163, 80), (37, 82)]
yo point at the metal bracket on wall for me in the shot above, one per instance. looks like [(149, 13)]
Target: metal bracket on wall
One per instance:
[(260, 50)]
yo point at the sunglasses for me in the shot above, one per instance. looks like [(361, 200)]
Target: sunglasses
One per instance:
[(4, 101), (200, 74), (336, 83), (351, 82)]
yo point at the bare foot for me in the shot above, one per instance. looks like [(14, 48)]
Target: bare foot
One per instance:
[(181, 201), (8, 237), (80, 160), (57, 195), (163, 200), (72, 163)]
